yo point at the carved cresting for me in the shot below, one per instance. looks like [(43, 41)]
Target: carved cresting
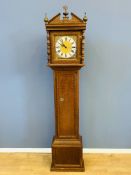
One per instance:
[(67, 147)]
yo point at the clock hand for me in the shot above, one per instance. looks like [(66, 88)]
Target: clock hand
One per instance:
[(63, 45)]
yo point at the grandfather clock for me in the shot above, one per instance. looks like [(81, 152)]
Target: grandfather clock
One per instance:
[(65, 48)]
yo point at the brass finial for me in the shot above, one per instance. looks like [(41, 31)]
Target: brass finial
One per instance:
[(46, 18), (65, 13), (85, 18)]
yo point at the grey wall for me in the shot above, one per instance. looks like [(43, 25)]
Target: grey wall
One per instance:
[(26, 83)]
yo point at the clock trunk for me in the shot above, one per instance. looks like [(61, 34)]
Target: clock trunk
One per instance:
[(67, 144)]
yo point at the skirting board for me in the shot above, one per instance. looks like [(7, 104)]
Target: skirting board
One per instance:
[(48, 150)]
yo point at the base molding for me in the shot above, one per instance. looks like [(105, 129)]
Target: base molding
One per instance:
[(67, 154), (69, 168)]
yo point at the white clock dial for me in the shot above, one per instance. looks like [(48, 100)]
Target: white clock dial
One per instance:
[(65, 47)]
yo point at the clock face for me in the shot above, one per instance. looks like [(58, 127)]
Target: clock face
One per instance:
[(65, 47)]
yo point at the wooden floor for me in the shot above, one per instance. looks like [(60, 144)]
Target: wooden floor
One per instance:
[(39, 164)]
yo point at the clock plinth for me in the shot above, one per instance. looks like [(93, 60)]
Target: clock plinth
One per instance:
[(67, 155), (65, 48)]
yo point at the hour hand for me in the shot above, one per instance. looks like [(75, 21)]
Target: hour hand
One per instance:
[(63, 45)]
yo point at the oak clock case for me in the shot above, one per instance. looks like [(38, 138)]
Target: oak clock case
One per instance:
[(65, 49)]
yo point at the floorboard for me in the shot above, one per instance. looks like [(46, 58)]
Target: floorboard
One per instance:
[(39, 164)]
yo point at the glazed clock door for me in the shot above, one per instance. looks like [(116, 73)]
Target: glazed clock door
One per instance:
[(66, 83)]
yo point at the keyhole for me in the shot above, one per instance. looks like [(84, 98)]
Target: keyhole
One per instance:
[(61, 99)]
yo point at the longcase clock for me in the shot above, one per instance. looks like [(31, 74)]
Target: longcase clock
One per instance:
[(65, 48)]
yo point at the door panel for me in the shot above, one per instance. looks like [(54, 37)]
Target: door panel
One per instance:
[(66, 98)]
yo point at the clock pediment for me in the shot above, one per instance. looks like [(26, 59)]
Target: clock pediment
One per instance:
[(57, 19), (75, 18), (64, 22)]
